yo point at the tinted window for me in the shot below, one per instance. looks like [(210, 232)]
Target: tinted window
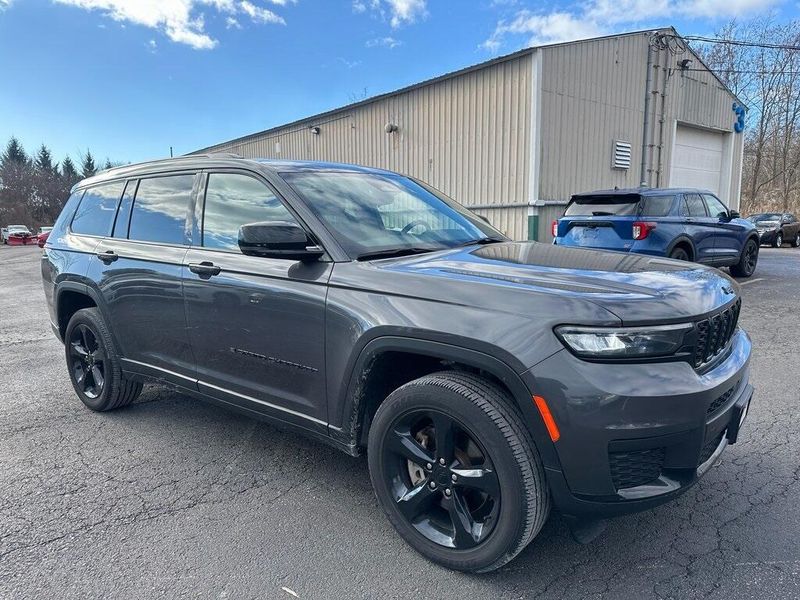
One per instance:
[(124, 212), (692, 206), (657, 206), (235, 200), (160, 208), (715, 207), (95, 214), (603, 204)]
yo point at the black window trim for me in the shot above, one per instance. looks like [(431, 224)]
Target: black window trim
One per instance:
[(708, 209), (702, 201), (199, 214), (83, 191)]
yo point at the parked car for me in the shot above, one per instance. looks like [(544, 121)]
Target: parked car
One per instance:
[(41, 237), (777, 228), (18, 235), (685, 224), (486, 379)]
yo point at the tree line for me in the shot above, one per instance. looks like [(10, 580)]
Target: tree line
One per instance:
[(34, 188), (762, 68)]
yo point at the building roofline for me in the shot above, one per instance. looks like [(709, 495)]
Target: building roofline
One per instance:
[(444, 77)]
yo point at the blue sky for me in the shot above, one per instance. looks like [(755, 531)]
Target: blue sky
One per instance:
[(130, 78)]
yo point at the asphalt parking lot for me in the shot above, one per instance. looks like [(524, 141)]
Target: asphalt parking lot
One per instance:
[(172, 497)]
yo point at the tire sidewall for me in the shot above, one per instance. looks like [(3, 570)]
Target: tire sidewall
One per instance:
[(510, 522), (90, 317)]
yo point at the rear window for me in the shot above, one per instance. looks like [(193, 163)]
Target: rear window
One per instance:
[(95, 214), (160, 209), (620, 205)]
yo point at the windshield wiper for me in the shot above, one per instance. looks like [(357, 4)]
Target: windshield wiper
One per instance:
[(394, 252), (484, 240)]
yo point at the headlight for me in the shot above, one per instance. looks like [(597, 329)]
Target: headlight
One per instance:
[(623, 342)]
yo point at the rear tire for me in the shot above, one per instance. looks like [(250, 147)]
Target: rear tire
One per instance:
[(679, 253), (747, 261), (778, 241), (796, 240), (443, 450), (93, 363)]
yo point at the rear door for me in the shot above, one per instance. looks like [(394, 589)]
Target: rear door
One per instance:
[(599, 221), (256, 324), (729, 236), (139, 273), (699, 227)]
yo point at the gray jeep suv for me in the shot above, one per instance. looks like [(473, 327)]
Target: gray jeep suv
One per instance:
[(486, 379)]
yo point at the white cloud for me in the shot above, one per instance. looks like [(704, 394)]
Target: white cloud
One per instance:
[(350, 64), (398, 12), (599, 17), (5, 4), (386, 42), (179, 20), (232, 23)]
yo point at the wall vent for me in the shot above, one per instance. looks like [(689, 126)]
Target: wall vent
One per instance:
[(622, 155)]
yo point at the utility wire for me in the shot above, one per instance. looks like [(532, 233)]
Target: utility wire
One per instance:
[(709, 40)]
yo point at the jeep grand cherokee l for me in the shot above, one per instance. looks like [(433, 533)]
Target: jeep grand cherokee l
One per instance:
[(486, 379)]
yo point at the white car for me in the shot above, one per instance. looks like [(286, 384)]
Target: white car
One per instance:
[(7, 231)]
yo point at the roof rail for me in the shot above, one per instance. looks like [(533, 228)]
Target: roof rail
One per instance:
[(162, 160)]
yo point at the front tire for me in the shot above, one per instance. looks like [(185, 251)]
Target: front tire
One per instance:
[(93, 363), (456, 471), (747, 261), (778, 241), (796, 240)]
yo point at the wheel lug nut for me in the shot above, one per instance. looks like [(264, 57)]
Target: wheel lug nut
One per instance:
[(454, 477), (433, 485), (447, 492), (428, 466), (441, 461)]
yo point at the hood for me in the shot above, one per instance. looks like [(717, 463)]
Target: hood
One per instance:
[(634, 287)]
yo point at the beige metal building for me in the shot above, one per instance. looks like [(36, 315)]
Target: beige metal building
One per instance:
[(514, 137)]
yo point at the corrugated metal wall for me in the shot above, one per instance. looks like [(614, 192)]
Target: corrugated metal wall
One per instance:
[(592, 94), (467, 136)]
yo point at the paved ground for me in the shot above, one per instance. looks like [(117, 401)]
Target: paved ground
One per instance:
[(173, 497)]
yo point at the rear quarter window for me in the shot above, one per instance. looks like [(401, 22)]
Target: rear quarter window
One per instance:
[(95, 214)]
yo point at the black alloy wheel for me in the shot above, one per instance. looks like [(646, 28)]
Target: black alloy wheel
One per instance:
[(456, 471), (87, 361), (442, 480), (94, 365), (747, 261)]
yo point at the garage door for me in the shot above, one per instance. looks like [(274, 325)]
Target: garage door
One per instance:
[(696, 159)]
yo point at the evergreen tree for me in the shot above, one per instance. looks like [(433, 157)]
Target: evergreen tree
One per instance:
[(108, 164), (69, 174), (14, 153), (44, 161), (88, 168)]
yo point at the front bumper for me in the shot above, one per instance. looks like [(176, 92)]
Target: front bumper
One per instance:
[(634, 436), (767, 237)]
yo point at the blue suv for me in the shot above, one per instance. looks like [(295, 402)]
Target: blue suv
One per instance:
[(679, 223)]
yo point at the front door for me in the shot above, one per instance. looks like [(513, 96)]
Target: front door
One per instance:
[(256, 324), (729, 238)]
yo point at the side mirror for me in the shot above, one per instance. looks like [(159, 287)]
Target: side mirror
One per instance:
[(277, 239), (734, 214)]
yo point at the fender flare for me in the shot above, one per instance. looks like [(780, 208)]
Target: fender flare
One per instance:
[(681, 239), (72, 285), (353, 407)]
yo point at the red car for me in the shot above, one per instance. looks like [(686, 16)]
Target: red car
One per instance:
[(18, 235), (44, 232)]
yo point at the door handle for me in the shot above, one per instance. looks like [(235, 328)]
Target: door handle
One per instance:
[(205, 269), (108, 256)]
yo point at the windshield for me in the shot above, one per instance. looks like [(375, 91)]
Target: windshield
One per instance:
[(377, 213), (765, 217)]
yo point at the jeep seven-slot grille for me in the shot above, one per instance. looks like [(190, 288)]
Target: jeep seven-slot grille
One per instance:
[(720, 401), (636, 467), (714, 333)]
